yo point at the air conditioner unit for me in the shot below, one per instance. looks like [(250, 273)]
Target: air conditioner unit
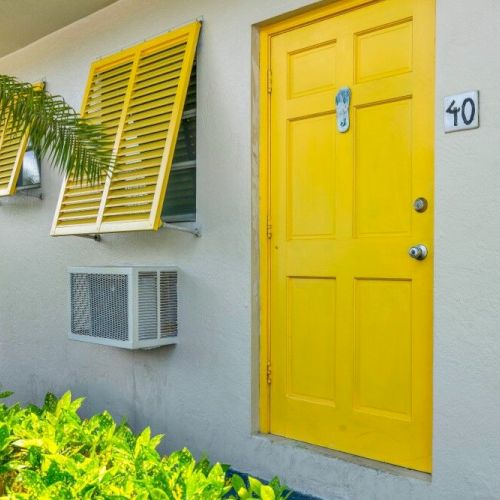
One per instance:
[(132, 307)]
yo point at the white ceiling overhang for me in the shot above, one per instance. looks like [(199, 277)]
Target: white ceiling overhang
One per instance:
[(25, 21)]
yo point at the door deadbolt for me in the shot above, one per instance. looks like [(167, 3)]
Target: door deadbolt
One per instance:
[(420, 205), (418, 252)]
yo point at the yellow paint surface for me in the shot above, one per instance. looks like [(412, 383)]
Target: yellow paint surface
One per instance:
[(347, 313)]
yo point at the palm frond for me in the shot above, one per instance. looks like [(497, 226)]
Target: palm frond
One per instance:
[(75, 145)]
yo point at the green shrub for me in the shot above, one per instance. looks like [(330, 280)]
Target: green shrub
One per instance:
[(50, 452)]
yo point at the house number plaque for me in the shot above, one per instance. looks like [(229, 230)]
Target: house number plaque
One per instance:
[(461, 112)]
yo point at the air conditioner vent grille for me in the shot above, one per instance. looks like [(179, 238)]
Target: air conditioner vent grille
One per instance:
[(148, 305), (168, 303), (99, 305), (131, 307)]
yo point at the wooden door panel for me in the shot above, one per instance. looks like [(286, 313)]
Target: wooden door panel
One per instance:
[(311, 326), (383, 168), (350, 313), (310, 186), (382, 352)]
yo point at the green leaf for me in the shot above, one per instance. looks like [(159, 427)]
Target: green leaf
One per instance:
[(267, 493), (4, 435), (239, 486), (64, 401), (35, 456), (157, 494), (5, 394), (50, 403), (254, 485)]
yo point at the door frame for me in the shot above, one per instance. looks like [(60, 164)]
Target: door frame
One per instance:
[(272, 28)]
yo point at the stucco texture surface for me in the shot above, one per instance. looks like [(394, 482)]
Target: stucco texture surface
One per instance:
[(202, 392)]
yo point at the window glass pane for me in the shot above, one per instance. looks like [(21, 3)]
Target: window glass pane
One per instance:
[(185, 149), (180, 199), (30, 171)]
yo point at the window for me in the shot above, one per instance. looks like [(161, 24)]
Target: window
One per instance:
[(139, 97), (18, 167), (180, 201)]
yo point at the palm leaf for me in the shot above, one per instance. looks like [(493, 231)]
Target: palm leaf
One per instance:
[(74, 144)]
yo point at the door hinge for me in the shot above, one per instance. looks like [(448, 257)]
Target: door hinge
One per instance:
[(269, 81), (268, 373), (269, 228)]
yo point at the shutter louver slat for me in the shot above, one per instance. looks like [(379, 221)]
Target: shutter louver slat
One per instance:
[(161, 75), (167, 86), (82, 199), (160, 56), (139, 183), (162, 102), (148, 136), (136, 174), (122, 193), (7, 163), (7, 169), (141, 200), (139, 96), (130, 218), (80, 219), (144, 146), (160, 67)]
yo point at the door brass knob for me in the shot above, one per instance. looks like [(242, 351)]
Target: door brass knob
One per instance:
[(420, 205), (418, 252)]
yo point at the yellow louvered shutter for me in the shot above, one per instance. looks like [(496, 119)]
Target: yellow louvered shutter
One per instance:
[(12, 148), (138, 95)]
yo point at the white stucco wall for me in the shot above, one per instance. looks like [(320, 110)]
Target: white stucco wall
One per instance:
[(200, 392)]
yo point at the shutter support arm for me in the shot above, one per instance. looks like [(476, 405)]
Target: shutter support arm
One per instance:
[(95, 237), (194, 230)]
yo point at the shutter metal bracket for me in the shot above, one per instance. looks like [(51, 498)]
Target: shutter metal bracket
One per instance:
[(269, 228), (268, 373), (95, 237), (269, 81), (194, 230)]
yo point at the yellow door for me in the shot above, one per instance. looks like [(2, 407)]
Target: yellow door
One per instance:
[(350, 311)]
